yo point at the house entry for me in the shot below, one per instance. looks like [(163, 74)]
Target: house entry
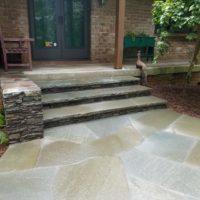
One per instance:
[(60, 29)]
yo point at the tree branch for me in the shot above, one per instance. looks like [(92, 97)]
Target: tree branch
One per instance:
[(194, 57)]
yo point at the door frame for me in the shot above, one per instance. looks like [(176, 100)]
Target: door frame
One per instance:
[(60, 53)]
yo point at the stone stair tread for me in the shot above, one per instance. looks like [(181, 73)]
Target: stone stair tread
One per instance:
[(100, 107), (92, 93), (81, 82)]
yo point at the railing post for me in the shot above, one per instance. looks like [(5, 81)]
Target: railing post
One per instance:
[(119, 33)]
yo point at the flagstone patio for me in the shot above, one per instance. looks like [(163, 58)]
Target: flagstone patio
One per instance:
[(152, 155)]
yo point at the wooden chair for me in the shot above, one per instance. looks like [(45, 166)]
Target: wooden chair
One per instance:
[(14, 46)]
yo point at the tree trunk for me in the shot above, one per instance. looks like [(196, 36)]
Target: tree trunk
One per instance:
[(198, 58), (194, 57)]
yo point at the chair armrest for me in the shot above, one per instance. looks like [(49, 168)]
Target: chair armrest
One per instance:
[(18, 40)]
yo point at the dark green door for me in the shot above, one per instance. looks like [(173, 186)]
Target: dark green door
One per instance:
[(60, 29)]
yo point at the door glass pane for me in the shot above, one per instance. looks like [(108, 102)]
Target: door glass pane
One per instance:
[(45, 23), (74, 24)]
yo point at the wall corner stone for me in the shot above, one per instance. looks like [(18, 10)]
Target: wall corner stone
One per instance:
[(23, 109)]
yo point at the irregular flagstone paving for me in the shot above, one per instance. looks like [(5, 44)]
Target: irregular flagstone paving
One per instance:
[(194, 156), (169, 174), (104, 178), (144, 190), (168, 145), (152, 155)]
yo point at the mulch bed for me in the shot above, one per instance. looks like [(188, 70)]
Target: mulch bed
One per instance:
[(184, 99), (3, 149)]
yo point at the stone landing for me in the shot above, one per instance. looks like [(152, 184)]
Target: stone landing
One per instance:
[(151, 155)]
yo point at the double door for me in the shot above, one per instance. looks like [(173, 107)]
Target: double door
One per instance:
[(60, 29)]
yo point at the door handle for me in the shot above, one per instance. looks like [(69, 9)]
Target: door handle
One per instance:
[(60, 19)]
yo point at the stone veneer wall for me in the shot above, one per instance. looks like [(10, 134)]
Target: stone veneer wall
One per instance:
[(173, 79), (14, 22), (23, 109)]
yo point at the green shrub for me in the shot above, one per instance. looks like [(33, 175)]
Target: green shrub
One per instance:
[(2, 120), (3, 138), (134, 35)]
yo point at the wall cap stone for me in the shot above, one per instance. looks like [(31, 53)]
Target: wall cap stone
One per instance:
[(18, 85)]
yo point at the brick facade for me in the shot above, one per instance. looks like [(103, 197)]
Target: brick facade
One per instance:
[(180, 49), (14, 18), (14, 23), (138, 19), (1, 101), (103, 31)]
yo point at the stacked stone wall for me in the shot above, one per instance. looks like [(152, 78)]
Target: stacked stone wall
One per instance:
[(23, 109), (173, 79)]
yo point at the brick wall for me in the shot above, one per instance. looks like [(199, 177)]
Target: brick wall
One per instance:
[(180, 49), (138, 16), (1, 101), (14, 18), (14, 23), (138, 19), (103, 31)]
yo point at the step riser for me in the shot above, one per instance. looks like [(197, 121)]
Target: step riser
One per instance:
[(95, 99), (87, 87), (99, 115)]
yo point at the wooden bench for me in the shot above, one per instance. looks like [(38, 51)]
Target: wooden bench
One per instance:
[(13, 46)]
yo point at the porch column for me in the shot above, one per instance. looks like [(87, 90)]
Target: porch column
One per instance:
[(119, 33)]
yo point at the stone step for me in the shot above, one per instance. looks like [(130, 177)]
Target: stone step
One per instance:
[(53, 86), (93, 95), (85, 112), (71, 72)]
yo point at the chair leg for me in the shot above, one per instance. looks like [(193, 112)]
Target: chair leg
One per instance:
[(29, 56), (31, 66)]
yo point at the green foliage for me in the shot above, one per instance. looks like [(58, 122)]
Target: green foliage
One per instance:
[(192, 36), (134, 35), (3, 138), (2, 120), (178, 14), (162, 45)]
